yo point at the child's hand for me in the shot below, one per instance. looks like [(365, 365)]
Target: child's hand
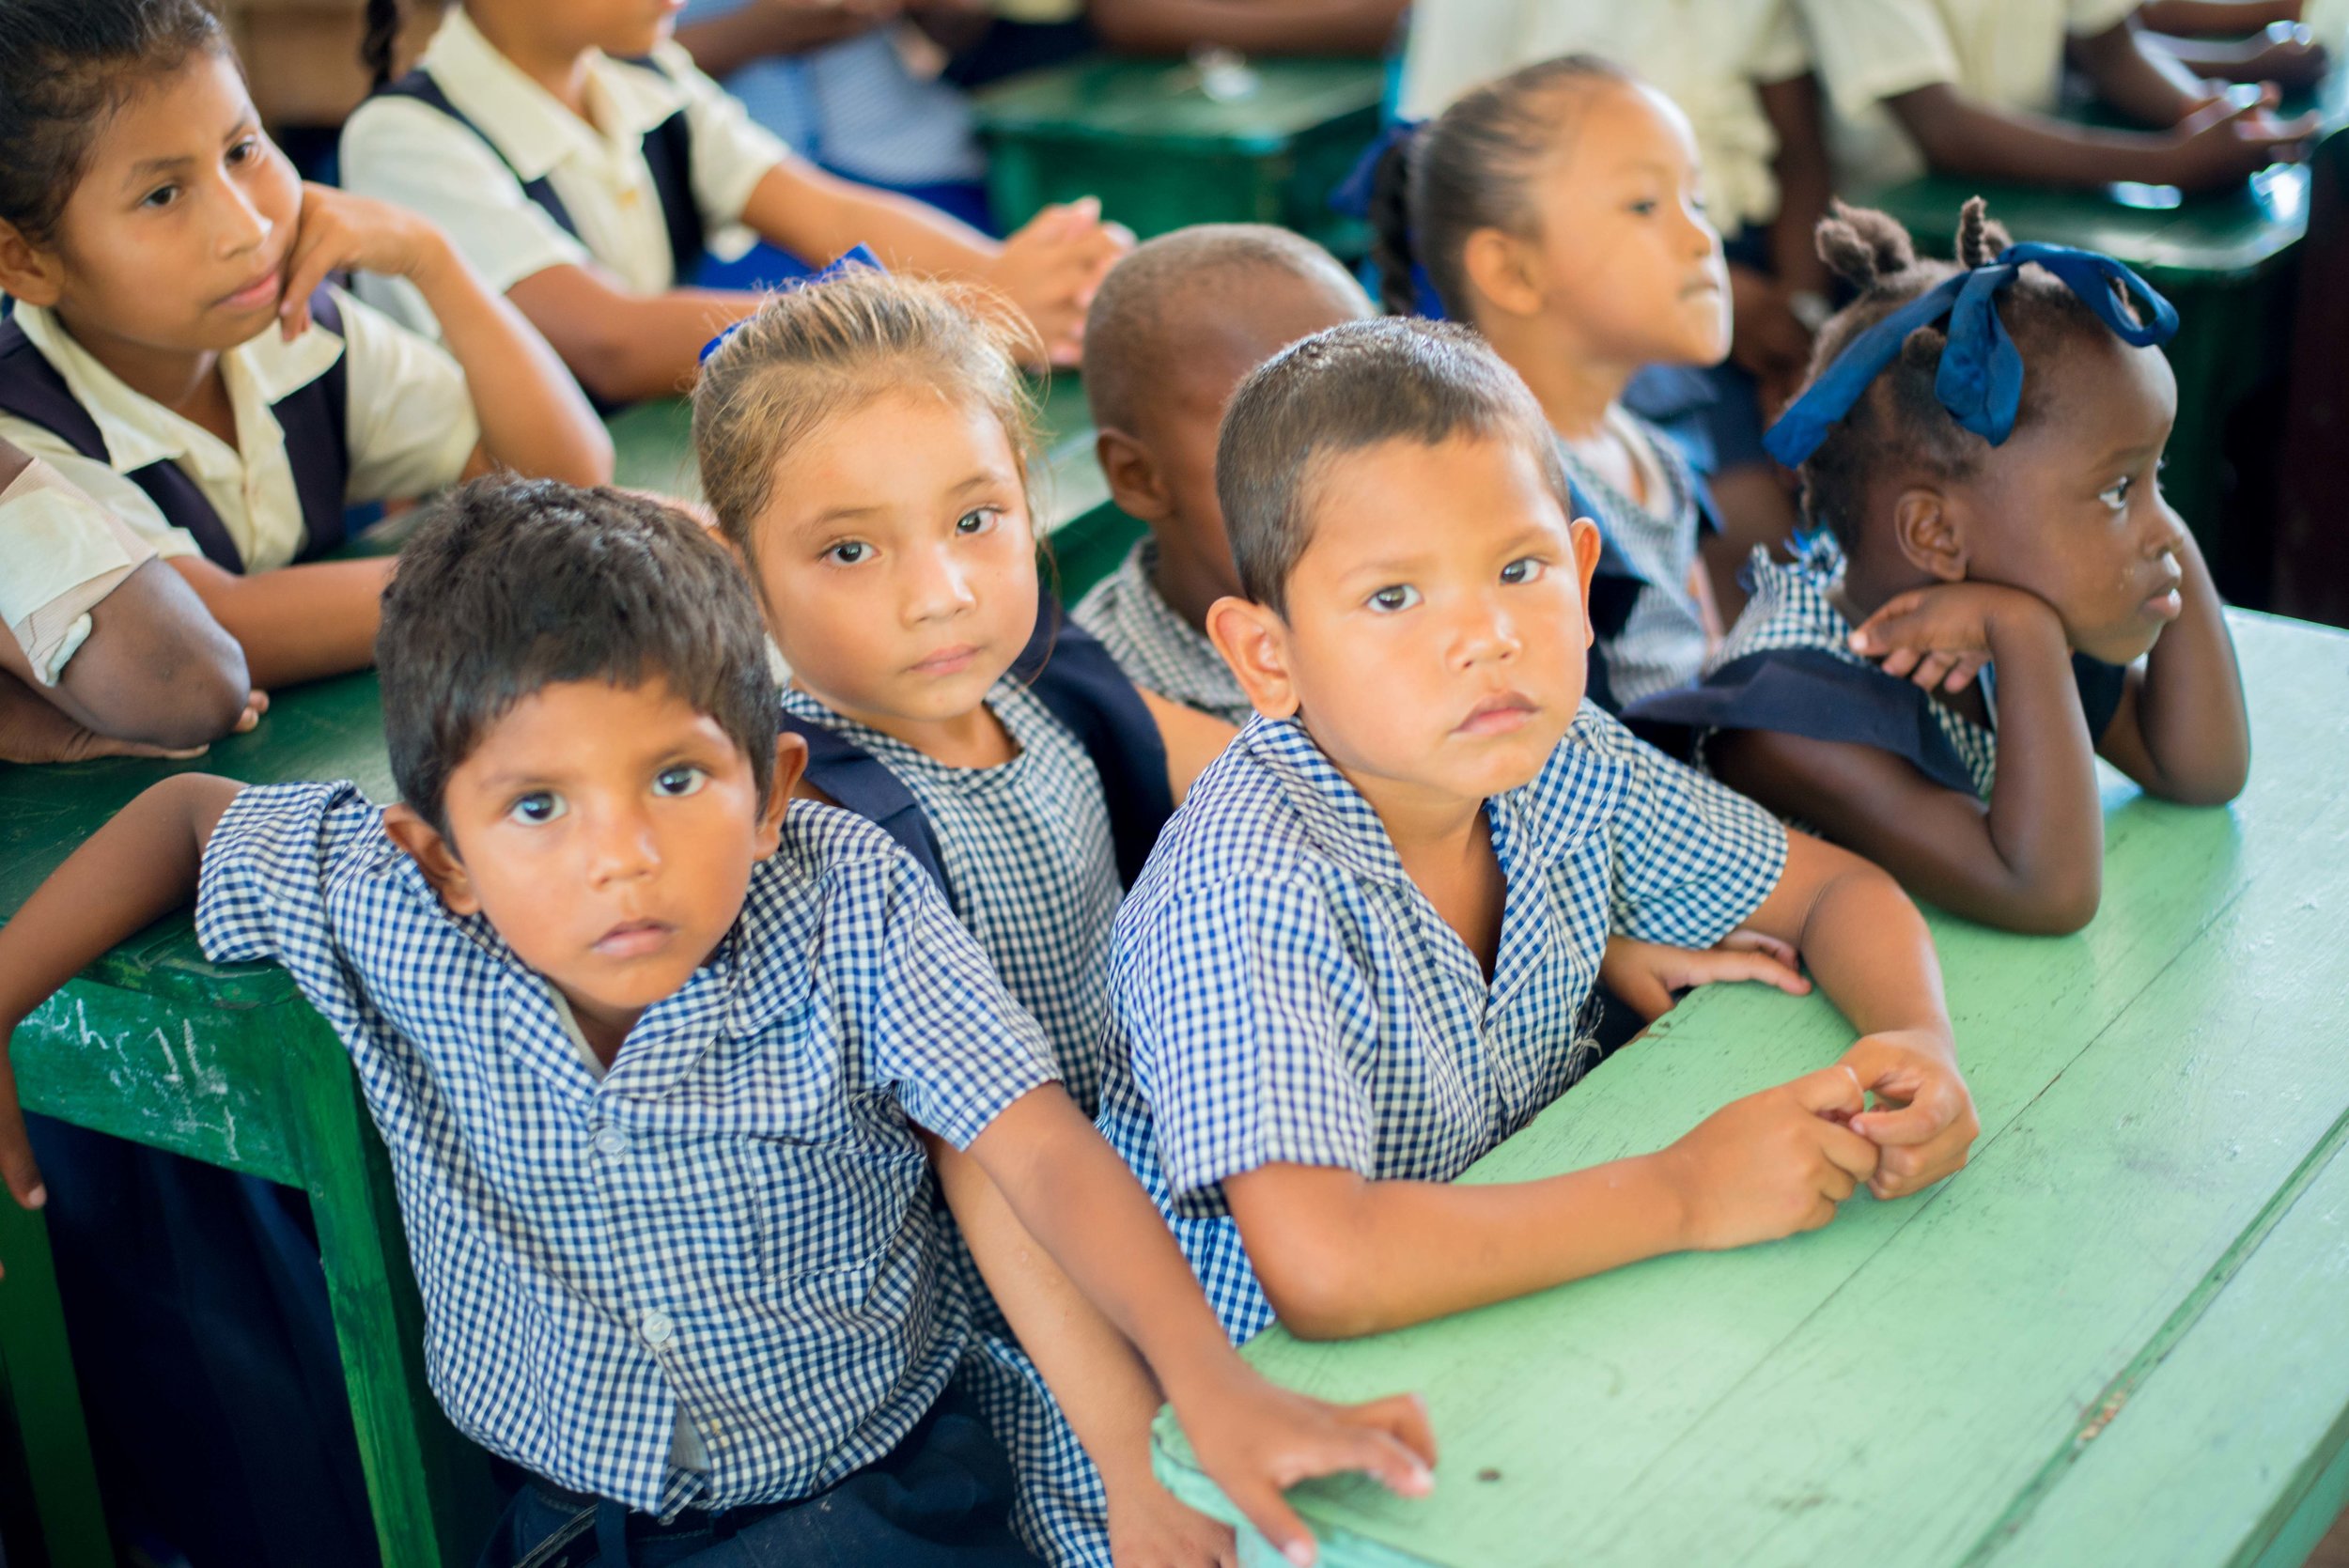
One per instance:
[(1941, 636), (342, 231), (1051, 267), (17, 1166), (1646, 975), (2225, 142), (1151, 1527), (1256, 1441), (1772, 1163), (1924, 1120)]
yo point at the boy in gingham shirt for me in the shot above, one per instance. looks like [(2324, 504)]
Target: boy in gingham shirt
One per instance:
[(1358, 956), (654, 1060)]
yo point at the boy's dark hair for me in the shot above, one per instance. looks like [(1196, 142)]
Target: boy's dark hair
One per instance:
[(1470, 168), (1343, 390), (516, 584), (1898, 424), (1133, 328), (66, 68)]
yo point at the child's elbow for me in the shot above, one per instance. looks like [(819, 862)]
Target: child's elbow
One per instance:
[(1317, 1294), (2058, 908)]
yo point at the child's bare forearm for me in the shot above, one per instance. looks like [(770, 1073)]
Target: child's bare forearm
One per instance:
[(812, 213), (534, 418), (136, 868), (2046, 819), (1869, 948), (2189, 707), (298, 623), (2147, 84)]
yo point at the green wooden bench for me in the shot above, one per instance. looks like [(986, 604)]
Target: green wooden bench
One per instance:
[(2117, 1337), (1164, 143)]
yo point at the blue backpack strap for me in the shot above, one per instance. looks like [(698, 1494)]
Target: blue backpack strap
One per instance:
[(31, 389), (315, 421), (857, 782), (1810, 692), (1073, 676), (419, 84), (669, 156)]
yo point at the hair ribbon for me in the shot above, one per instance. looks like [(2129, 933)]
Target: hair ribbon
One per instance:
[(1350, 196), (1981, 379), (855, 259)]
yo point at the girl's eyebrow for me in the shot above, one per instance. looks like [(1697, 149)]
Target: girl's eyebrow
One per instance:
[(147, 169)]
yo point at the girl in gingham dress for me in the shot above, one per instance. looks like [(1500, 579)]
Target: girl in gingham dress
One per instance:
[(865, 444)]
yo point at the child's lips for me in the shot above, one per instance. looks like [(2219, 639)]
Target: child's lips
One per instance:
[(634, 938), (1500, 715), (263, 290), (948, 662), (2165, 606)]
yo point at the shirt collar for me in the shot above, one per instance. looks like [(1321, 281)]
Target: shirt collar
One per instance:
[(137, 430), (531, 129), (1339, 822), (1198, 668)]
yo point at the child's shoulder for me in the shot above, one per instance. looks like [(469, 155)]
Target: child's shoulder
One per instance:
[(1272, 803), (1788, 606)]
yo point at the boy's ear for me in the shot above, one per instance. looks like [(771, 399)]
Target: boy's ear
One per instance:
[(1253, 641), (1584, 533), (1931, 533), (1135, 483), (790, 766), (28, 272), (435, 856), (1500, 268)]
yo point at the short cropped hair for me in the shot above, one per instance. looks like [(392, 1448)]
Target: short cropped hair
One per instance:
[(516, 584), (1351, 387), (1141, 317)]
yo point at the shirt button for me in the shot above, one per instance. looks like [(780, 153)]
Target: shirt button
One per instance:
[(609, 1140), (658, 1328)]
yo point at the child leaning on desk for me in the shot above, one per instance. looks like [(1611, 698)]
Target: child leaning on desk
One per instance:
[(655, 1051), (1355, 961)]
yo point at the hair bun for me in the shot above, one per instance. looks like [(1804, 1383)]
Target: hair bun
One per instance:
[(1979, 240), (1864, 247)]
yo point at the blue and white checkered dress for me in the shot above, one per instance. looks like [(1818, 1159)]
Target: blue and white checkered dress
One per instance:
[(1031, 867), (1662, 642), (1155, 647), (1789, 608), (1285, 993), (736, 1224)]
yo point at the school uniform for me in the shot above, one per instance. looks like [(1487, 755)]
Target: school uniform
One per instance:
[(60, 554), (710, 1279), (2005, 53), (1157, 649), (519, 184), (1708, 57), (1284, 992), (1787, 665), (355, 408), (1660, 642)]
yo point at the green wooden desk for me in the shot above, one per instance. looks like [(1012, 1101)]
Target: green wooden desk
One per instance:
[(1153, 140), (2121, 1336)]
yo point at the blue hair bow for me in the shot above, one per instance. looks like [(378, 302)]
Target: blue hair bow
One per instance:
[(1981, 379), (1350, 197), (854, 257)]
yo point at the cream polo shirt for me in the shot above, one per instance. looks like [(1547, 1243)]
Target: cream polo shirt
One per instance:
[(1705, 55), (409, 426), (2007, 53), (399, 151), (60, 553)]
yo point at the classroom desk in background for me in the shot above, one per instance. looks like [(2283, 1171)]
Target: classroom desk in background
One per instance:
[(2117, 1337)]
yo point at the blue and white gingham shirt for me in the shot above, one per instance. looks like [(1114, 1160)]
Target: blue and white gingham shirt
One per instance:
[(1662, 641), (1155, 645), (735, 1223), (1285, 993)]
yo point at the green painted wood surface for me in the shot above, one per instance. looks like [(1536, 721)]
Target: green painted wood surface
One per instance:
[(2159, 1095)]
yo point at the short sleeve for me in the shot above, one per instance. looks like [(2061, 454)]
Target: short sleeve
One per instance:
[(130, 506), (399, 150), (410, 416), (263, 891), (731, 152), (60, 554), (1242, 1008), (2087, 18), (1870, 49), (1692, 858), (1456, 45), (940, 1028), (1780, 51)]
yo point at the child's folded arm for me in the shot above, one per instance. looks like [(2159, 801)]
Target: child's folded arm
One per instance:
[(624, 347), (297, 623), (138, 867), (2181, 730)]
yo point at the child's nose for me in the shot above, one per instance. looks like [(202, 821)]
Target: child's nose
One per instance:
[(242, 225), (623, 850), (1485, 632), (941, 586)]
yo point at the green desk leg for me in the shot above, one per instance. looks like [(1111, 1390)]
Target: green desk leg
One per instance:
[(37, 1377)]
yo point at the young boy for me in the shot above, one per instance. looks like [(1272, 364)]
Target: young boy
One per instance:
[(1356, 960), (1176, 326), (654, 1058)]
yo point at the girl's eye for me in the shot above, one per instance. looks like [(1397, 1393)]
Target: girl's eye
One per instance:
[(1402, 595), (243, 151), (2116, 495), (538, 808), (1524, 570), (159, 197), (679, 781), (848, 552), (1642, 208), (978, 521)]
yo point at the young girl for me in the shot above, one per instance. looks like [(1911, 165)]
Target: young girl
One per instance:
[(865, 442), (581, 161), (1980, 448), (177, 352), (1556, 211)]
